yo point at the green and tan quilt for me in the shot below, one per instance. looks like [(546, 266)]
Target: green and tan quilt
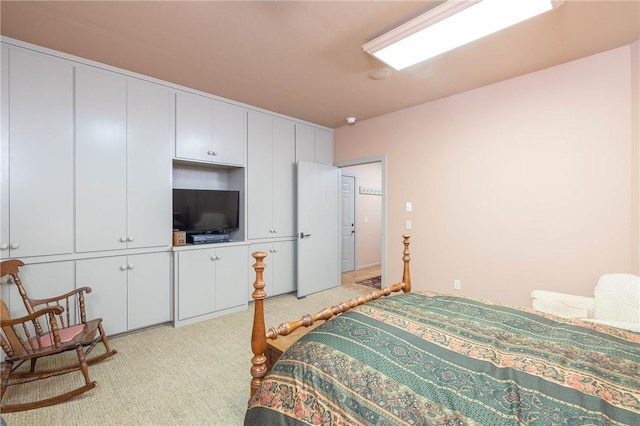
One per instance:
[(431, 359)]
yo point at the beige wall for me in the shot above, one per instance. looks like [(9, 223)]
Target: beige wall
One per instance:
[(368, 214), (519, 185)]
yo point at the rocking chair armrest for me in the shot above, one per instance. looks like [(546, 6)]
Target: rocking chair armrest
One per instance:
[(36, 302), (56, 310)]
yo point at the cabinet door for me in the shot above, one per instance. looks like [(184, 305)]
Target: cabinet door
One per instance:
[(283, 177), (324, 147), (259, 175), (41, 280), (107, 277), (305, 143), (284, 267), (231, 277), (229, 133), (196, 283), (41, 155), (101, 160), (148, 165), (4, 153), (148, 289), (194, 127)]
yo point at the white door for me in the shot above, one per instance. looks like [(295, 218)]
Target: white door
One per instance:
[(40, 148), (348, 223), (318, 217), (148, 165), (101, 160)]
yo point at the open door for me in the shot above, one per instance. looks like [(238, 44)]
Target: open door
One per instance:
[(348, 223), (318, 218)]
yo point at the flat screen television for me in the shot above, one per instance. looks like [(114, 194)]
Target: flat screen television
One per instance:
[(205, 211)]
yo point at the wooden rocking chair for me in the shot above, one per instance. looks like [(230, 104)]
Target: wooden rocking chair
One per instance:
[(20, 345), (49, 331)]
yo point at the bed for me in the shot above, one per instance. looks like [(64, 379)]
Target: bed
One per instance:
[(425, 358)]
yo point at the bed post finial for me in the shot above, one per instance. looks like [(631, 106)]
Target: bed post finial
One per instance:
[(258, 336), (406, 258)]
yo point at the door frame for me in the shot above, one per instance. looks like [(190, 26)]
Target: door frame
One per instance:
[(382, 159)]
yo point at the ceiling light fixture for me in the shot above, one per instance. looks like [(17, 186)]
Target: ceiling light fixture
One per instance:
[(450, 25)]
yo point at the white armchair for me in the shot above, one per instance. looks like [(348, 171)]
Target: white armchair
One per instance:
[(616, 302)]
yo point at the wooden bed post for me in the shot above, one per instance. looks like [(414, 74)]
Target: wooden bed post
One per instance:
[(258, 335), (406, 258)]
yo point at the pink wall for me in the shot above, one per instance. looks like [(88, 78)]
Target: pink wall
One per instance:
[(368, 214), (524, 184)]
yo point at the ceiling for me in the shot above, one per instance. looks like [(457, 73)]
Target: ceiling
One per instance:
[(304, 58)]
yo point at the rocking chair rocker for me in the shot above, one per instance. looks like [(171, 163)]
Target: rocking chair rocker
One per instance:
[(48, 331)]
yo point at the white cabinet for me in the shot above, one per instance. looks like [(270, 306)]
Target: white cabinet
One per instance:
[(129, 292), (123, 162), (40, 280), (210, 280), (279, 274), (271, 176), (37, 176), (209, 130), (314, 145)]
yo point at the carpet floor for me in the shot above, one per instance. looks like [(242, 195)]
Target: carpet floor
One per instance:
[(192, 375)]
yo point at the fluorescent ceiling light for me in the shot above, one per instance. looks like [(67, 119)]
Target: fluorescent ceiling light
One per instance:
[(450, 25)]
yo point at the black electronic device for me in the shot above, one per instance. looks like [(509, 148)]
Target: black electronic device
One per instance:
[(205, 212), (208, 238)]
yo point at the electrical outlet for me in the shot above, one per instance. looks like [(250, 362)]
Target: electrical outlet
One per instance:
[(456, 284)]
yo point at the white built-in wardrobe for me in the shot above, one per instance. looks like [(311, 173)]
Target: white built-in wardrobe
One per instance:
[(89, 157)]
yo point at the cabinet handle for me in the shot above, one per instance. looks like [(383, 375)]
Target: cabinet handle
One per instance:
[(15, 245), (218, 258), (130, 266), (213, 258), (4, 246), (214, 153), (123, 239), (129, 239), (123, 267)]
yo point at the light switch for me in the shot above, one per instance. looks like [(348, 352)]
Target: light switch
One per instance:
[(407, 224), (409, 206)]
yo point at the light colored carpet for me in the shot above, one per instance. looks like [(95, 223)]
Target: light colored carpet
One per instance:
[(193, 375)]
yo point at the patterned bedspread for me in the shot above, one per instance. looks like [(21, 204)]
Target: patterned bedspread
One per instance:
[(425, 358)]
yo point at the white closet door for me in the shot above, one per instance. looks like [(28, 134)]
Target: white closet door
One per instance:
[(41, 160), (194, 127), (101, 160), (229, 133), (148, 289), (148, 165), (259, 175), (284, 165), (231, 277), (4, 154), (107, 277)]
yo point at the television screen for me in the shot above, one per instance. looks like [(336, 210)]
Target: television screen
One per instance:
[(205, 210)]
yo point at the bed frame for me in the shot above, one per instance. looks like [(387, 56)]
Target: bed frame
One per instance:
[(260, 335)]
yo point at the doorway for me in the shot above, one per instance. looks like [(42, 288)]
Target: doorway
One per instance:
[(368, 214)]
